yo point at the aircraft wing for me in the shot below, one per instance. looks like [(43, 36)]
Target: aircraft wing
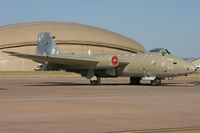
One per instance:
[(71, 61)]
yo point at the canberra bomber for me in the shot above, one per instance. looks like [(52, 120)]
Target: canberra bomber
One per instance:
[(153, 66)]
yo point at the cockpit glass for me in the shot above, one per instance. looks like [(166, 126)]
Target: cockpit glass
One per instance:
[(160, 50), (155, 50), (167, 51)]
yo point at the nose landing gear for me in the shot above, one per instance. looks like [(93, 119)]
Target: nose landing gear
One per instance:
[(156, 82)]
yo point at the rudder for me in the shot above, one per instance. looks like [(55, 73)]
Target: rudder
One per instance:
[(46, 45)]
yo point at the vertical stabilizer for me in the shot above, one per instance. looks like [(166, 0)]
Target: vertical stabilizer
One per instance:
[(46, 45)]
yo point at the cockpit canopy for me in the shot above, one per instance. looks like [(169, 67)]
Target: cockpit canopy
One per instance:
[(160, 50)]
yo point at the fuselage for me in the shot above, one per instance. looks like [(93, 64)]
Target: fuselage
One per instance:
[(148, 65)]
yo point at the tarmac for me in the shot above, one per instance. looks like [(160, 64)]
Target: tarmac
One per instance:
[(71, 105)]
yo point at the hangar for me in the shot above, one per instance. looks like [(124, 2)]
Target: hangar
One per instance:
[(70, 38)]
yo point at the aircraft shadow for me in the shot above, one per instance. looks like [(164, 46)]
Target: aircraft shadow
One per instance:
[(195, 82), (73, 84), (102, 84), (2, 89)]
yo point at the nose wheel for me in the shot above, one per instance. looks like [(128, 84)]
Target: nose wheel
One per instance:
[(156, 82)]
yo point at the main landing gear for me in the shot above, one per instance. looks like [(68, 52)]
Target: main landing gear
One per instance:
[(135, 80), (95, 80), (156, 82)]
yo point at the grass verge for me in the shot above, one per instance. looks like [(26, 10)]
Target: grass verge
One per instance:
[(38, 74)]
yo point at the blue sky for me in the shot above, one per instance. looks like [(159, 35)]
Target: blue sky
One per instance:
[(172, 24)]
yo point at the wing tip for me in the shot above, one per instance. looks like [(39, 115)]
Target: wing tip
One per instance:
[(11, 53)]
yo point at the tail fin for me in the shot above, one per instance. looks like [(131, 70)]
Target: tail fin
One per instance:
[(46, 45)]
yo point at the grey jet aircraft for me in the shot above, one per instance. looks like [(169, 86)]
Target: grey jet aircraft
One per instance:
[(153, 65)]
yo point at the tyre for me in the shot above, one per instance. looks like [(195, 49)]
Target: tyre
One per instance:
[(135, 80), (156, 82), (96, 82)]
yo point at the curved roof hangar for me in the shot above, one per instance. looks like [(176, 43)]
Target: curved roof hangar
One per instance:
[(17, 35)]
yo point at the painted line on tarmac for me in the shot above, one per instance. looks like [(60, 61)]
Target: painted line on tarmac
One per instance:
[(161, 130)]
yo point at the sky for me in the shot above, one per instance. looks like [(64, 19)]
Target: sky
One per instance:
[(171, 24)]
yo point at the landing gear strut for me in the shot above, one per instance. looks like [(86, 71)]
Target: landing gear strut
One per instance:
[(95, 80), (135, 80), (156, 82)]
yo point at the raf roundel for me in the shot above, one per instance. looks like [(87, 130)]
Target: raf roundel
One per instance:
[(115, 60)]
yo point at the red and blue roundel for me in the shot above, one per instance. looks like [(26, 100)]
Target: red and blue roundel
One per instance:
[(115, 60)]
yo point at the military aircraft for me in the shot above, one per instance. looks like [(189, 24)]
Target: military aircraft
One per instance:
[(152, 65)]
